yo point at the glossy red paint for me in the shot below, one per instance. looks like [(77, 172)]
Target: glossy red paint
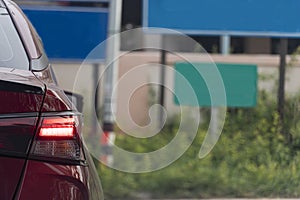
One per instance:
[(14, 102), (23, 93), (27, 98), (54, 181), (16, 130), (16, 134), (56, 100), (10, 175), (20, 91)]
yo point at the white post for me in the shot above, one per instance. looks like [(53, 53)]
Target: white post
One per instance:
[(225, 50), (112, 65), (225, 44)]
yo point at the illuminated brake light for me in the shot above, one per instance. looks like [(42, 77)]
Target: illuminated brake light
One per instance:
[(58, 138), (57, 127), (57, 132), (59, 120)]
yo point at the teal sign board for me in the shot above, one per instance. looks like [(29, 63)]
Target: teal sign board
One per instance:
[(239, 83)]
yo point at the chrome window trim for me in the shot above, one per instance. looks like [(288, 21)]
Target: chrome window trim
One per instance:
[(39, 64)]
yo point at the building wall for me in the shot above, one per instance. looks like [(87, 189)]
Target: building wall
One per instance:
[(142, 68), (258, 45)]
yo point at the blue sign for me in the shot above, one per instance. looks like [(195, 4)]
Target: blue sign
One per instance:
[(82, 1), (67, 1), (70, 34), (277, 18)]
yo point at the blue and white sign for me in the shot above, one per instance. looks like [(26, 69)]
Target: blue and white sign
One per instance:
[(277, 18), (70, 33)]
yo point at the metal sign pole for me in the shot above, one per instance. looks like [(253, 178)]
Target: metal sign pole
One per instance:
[(281, 89), (94, 102), (225, 50), (111, 75), (225, 44), (163, 62), (96, 67)]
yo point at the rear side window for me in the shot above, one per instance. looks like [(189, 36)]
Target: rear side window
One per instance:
[(4, 44), (12, 52), (28, 34)]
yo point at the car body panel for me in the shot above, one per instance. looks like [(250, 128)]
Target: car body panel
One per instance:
[(27, 96), (56, 100), (20, 91), (21, 100), (10, 175), (54, 181)]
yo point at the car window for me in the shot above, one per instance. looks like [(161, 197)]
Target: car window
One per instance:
[(27, 32), (4, 45), (12, 52)]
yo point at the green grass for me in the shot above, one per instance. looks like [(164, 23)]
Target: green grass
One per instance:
[(252, 159)]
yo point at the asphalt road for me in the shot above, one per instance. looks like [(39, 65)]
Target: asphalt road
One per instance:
[(228, 199)]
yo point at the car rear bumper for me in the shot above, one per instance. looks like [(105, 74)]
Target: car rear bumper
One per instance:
[(54, 181)]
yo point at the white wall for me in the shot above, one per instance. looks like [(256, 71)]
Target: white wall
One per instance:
[(149, 72)]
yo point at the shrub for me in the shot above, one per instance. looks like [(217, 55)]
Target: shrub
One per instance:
[(251, 159)]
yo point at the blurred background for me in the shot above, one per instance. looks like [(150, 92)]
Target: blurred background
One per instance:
[(258, 152)]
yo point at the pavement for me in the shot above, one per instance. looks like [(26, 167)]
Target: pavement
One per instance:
[(231, 199)]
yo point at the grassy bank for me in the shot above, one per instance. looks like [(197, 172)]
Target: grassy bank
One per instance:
[(256, 156)]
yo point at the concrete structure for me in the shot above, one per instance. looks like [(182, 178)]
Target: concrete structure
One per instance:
[(140, 68)]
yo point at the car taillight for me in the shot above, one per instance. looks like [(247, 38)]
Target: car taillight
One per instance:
[(57, 128), (58, 138)]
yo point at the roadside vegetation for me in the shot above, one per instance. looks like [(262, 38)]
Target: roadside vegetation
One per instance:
[(253, 158), (257, 156)]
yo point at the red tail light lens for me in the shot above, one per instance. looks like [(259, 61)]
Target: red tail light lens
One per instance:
[(58, 137), (57, 132), (58, 128)]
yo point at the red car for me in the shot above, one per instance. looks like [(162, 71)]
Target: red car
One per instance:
[(42, 155)]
